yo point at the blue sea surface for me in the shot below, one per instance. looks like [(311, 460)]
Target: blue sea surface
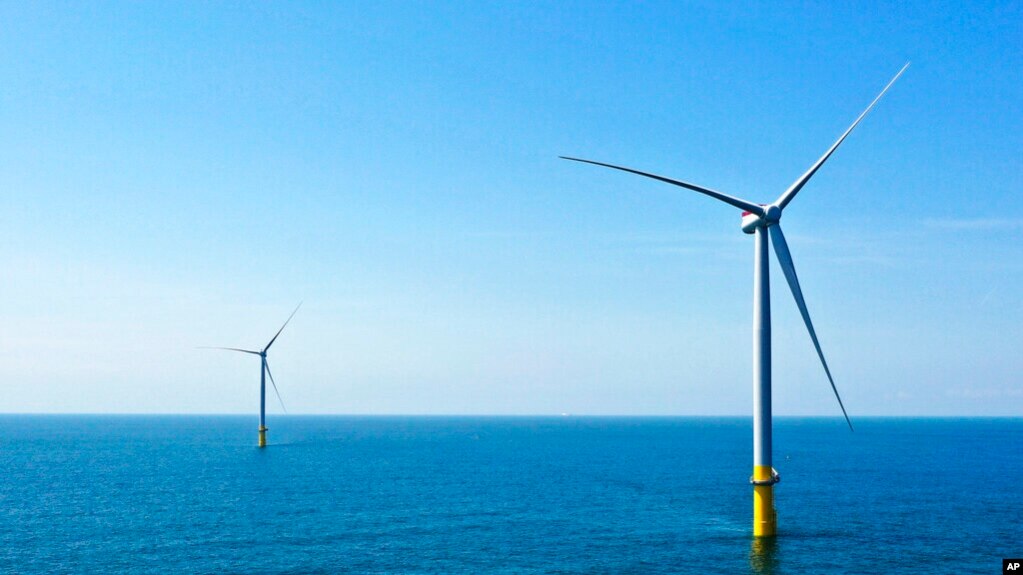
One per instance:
[(447, 495)]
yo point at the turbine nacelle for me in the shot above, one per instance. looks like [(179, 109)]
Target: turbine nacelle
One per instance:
[(750, 222)]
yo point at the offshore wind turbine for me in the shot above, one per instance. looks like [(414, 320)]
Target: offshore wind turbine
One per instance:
[(763, 221), (264, 371)]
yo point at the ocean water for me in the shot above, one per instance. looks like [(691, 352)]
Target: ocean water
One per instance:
[(447, 495)]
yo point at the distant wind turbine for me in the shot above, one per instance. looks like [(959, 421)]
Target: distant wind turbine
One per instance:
[(264, 371), (763, 221)]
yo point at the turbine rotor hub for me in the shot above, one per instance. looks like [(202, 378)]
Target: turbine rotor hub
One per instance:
[(772, 215)]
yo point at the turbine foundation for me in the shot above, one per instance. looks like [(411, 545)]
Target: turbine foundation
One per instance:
[(262, 436), (765, 520)]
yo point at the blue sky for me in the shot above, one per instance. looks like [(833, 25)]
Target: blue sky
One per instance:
[(175, 175)]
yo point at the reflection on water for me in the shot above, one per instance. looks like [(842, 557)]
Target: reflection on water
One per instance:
[(763, 555)]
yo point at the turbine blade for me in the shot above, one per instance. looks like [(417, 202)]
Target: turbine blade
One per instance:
[(737, 202), (282, 327), (274, 383), (232, 349), (781, 248), (790, 193)]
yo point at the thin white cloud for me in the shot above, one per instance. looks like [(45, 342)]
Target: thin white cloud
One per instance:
[(973, 392)]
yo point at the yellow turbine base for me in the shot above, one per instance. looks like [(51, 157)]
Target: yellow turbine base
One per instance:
[(765, 520), (262, 436)]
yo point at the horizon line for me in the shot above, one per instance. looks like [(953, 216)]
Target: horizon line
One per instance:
[(502, 415)]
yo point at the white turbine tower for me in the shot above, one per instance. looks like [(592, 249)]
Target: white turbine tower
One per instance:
[(264, 371), (764, 222)]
